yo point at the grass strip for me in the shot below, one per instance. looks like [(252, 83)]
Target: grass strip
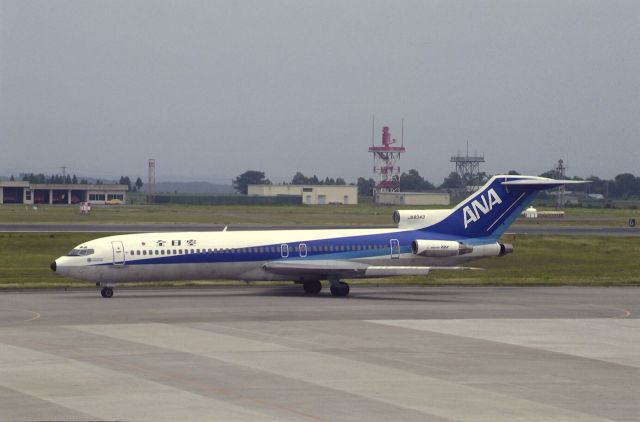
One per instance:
[(537, 260)]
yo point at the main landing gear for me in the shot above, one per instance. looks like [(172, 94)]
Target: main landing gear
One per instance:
[(107, 291), (312, 287), (338, 288)]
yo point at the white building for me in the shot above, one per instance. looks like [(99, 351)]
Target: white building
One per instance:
[(310, 194), (413, 198)]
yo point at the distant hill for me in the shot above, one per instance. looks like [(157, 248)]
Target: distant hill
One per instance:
[(193, 187)]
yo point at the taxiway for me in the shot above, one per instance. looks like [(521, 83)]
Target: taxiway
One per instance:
[(273, 353)]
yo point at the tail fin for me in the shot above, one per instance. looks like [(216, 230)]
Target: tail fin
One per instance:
[(493, 208)]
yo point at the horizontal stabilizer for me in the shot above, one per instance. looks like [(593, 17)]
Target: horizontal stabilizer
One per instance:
[(543, 182)]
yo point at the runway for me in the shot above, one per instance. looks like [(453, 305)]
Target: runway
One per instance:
[(273, 353), (145, 228)]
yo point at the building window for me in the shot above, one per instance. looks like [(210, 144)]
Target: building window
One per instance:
[(96, 197)]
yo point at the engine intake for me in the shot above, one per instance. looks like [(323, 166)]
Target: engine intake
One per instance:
[(439, 248)]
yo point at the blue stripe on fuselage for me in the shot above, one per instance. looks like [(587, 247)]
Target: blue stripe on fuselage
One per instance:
[(340, 245)]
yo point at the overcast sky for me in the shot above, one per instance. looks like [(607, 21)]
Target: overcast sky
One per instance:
[(213, 88)]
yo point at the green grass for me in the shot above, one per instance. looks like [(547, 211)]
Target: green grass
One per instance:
[(362, 214), (202, 214), (537, 260)]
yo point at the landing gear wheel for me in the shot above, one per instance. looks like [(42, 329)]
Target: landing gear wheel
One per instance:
[(312, 287), (340, 289), (106, 292)]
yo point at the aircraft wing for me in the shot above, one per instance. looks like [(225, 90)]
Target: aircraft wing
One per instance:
[(323, 269)]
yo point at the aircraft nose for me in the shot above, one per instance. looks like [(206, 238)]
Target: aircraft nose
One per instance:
[(53, 266)]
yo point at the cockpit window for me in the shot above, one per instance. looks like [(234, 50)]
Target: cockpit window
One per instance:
[(81, 252)]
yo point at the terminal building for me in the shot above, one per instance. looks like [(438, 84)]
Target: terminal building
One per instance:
[(310, 194), (19, 192)]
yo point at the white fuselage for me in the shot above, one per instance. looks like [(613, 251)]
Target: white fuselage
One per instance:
[(241, 255)]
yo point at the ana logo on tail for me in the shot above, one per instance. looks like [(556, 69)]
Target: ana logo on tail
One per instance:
[(472, 213)]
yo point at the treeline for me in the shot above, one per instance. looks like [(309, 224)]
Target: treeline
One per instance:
[(59, 179), (54, 178), (254, 177), (622, 186)]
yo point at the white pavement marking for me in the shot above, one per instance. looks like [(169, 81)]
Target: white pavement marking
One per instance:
[(108, 394), (396, 387), (610, 340)]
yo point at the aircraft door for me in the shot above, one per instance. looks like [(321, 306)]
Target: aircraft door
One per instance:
[(395, 248), (303, 250), (118, 253), (284, 250)]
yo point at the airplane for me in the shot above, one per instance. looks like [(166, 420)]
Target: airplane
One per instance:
[(424, 241)]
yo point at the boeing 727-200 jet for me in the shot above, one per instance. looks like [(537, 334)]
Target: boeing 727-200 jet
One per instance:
[(424, 241)]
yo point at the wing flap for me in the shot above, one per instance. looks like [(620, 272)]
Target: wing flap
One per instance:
[(323, 269)]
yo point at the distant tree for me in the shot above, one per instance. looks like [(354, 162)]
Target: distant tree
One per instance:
[(299, 179), (98, 182), (84, 181), (452, 181), (551, 174), (12, 179), (513, 173), (365, 186), (625, 185), (249, 177), (139, 184), (74, 180), (413, 182), (124, 180), (67, 179)]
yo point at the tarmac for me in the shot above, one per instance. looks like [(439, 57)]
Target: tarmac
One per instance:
[(254, 353)]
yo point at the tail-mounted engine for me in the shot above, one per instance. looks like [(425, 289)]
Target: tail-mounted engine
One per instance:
[(439, 248)]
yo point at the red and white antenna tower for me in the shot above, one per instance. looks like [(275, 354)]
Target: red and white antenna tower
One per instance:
[(151, 183), (386, 171)]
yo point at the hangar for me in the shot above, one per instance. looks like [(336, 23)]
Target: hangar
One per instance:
[(19, 192), (311, 194)]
